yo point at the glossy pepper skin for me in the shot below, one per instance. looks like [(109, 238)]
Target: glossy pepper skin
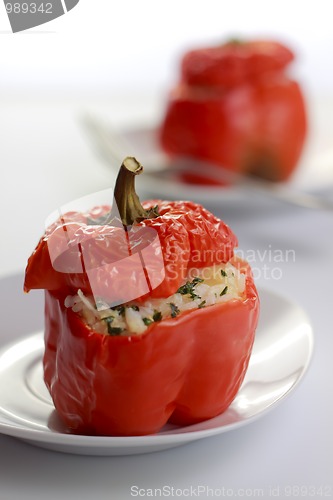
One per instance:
[(182, 369), (189, 235), (235, 106)]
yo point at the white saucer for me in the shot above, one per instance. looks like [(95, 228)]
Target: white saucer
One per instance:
[(313, 174), (281, 355)]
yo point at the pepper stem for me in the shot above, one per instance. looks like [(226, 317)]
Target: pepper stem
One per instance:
[(127, 201)]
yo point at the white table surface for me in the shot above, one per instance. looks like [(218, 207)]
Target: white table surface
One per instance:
[(46, 162)]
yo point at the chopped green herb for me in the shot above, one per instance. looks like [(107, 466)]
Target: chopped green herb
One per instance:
[(197, 280), (147, 321), (185, 289), (112, 330), (223, 273), (188, 288), (224, 291), (134, 307), (119, 309), (174, 310), (157, 316), (202, 304), (109, 319)]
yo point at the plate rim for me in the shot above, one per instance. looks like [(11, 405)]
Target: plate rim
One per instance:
[(169, 438)]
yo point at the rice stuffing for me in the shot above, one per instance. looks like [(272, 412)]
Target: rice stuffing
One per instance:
[(202, 288)]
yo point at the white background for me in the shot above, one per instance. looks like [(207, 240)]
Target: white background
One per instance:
[(129, 45)]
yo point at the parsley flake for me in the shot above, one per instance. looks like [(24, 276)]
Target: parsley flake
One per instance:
[(157, 316), (134, 307), (112, 330), (197, 280), (174, 310), (224, 291), (188, 288), (119, 309)]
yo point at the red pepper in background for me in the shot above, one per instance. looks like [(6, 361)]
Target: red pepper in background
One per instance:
[(183, 369), (235, 106)]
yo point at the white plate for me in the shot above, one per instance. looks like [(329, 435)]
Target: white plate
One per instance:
[(281, 355)]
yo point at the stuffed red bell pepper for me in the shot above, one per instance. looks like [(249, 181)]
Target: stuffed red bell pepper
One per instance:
[(149, 315), (237, 107)]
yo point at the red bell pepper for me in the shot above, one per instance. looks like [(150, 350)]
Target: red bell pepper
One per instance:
[(181, 369), (235, 106)]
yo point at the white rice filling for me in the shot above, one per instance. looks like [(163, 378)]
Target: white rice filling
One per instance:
[(203, 287)]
